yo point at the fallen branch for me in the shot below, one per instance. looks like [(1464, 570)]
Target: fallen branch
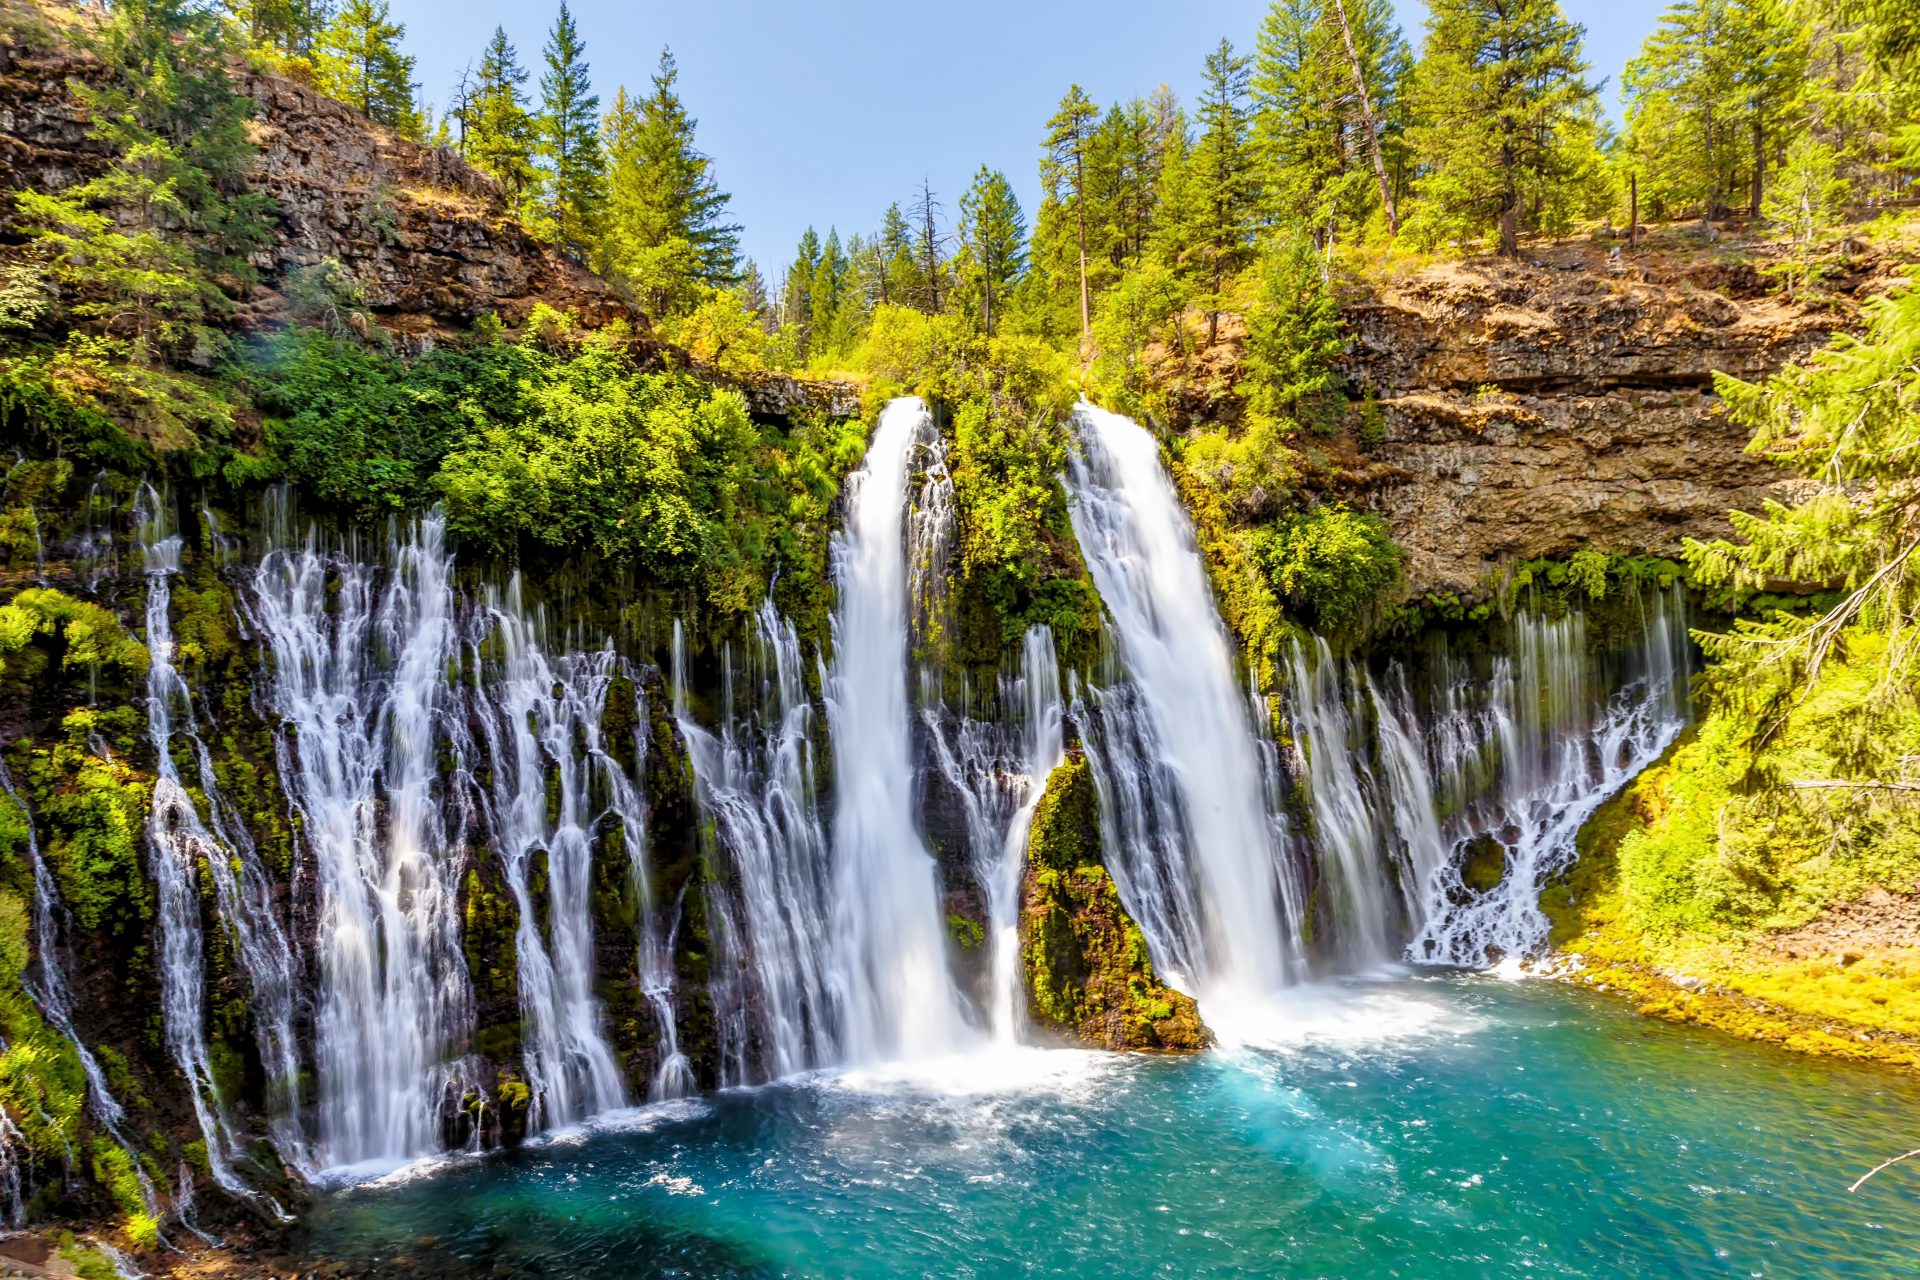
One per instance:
[(1884, 1164)]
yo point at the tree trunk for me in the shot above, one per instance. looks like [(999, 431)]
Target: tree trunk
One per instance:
[(1367, 121), (1633, 211), (1759, 164), (1080, 223)]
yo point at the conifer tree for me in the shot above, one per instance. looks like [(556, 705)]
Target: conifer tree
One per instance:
[(666, 231), (1222, 167), (289, 27), (1505, 109), (137, 249), (1293, 334), (893, 247), (993, 233), (358, 60), (576, 182), (1064, 173), (929, 249), (825, 294), (796, 292), (499, 132)]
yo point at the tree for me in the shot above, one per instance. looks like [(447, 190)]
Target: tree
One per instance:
[(289, 27), (1222, 165), (358, 60), (666, 230), (796, 292), (500, 133), (1294, 333), (929, 249), (138, 249), (1064, 174), (1369, 123), (1843, 421), (993, 235), (1506, 113), (570, 141), (893, 251), (1802, 204)]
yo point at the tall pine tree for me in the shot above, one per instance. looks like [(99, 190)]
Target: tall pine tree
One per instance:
[(499, 131), (993, 237), (576, 180), (1506, 114), (358, 60), (1064, 174), (1220, 237)]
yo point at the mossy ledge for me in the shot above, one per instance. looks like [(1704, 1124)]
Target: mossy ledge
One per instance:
[(1088, 973)]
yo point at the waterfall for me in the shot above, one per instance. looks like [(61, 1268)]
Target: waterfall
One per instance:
[(180, 843), (542, 722), (999, 771), (360, 687), (1562, 753), (755, 780), (888, 967), (1192, 844), (49, 991)]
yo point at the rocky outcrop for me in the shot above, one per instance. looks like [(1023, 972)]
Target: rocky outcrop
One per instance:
[(431, 241), (1088, 973), (1528, 409)]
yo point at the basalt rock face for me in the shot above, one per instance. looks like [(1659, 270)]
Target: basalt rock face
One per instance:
[(430, 240), (1530, 409)]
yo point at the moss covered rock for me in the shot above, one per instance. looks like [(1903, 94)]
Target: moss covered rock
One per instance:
[(1088, 973)]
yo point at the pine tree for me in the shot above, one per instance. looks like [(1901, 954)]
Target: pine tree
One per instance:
[(796, 293), (893, 246), (1064, 174), (993, 233), (358, 60), (1505, 111), (666, 235), (499, 132), (576, 180), (288, 27), (929, 250), (137, 250), (1222, 166), (1294, 333)]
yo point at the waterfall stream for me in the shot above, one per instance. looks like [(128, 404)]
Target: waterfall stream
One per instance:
[(888, 964), (1177, 766), (359, 685)]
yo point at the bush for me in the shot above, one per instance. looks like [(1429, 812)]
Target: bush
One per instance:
[(1332, 564)]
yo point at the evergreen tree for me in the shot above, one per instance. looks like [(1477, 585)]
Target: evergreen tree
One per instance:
[(1294, 333), (288, 27), (358, 60), (499, 132), (1712, 86), (576, 180), (929, 250), (138, 249), (1064, 174), (666, 230), (993, 233), (1506, 114), (1222, 168), (893, 247), (796, 292), (825, 295)]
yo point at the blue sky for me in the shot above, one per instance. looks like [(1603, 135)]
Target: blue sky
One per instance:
[(821, 113)]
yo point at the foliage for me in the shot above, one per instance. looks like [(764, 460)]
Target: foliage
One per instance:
[(994, 233), (1504, 114), (357, 59), (141, 252), (1143, 309), (573, 206), (94, 812), (1294, 333), (1846, 421), (1333, 565), (666, 228), (90, 636), (498, 134), (1802, 203)]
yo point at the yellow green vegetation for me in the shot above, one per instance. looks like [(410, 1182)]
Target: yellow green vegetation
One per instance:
[(1770, 888), (80, 633), (94, 813), (1088, 972)]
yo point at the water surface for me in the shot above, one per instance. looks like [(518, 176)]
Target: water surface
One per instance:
[(1419, 1127)]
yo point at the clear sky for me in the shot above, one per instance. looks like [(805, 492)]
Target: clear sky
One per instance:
[(822, 113)]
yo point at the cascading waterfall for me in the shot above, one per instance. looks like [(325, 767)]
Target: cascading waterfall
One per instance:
[(1192, 844), (360, 686), (49, 991), (1562, 754), (756, 781), (542, 721), (999, 771), (180, 844), (888, 964)]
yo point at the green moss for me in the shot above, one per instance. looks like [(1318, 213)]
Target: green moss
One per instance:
[(86, 635), (488, 939), (967, 934), (1087, 967), (94, 811)]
